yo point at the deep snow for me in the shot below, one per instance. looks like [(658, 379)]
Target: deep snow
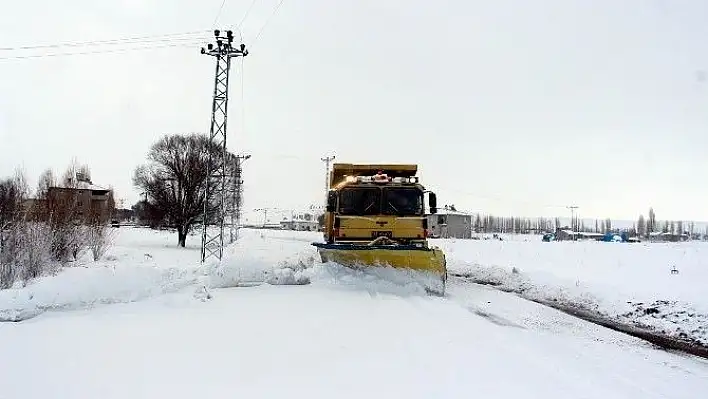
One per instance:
[(629, 282), (216, 331)]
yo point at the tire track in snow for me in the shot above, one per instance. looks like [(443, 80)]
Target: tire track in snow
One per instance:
[(657, 339)]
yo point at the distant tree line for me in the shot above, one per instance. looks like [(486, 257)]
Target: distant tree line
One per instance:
[(649, 225), (487, 223)]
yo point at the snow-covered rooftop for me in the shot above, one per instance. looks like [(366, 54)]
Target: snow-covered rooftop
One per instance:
[(443, 211), (83, 185), (90, 186)]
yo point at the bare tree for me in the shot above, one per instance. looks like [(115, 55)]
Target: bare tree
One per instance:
[(75, 173), (175, 180), (641, 226), (46, 181), (99, 238), (24, 245), (13, 192), (651, 224), (147, 214), (11, 198), (64, 215)]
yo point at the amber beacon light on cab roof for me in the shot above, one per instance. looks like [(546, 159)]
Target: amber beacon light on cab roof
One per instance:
[(375, 217)]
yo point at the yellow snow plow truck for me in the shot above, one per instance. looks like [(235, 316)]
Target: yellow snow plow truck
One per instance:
[(375, 216)]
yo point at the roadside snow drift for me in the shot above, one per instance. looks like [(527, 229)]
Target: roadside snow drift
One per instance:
[(144, 264), (628, 282)]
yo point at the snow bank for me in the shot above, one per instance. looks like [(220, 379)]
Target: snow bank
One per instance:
[(263, 257), (629, 282), (143, 264), (81, 287), (286, 257), (146, 263)]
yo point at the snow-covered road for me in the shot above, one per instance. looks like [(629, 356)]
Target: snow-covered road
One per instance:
[(320, 341), (341, 336)]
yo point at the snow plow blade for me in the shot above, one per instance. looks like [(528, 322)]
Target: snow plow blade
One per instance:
[(423, 261)]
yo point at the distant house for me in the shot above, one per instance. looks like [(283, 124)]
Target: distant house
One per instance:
[(566, 234), (301, 222), (668, 237), (80, 200), (85, 201), (447, 223)]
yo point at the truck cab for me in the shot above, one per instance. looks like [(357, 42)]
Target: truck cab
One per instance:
[(377, 203)]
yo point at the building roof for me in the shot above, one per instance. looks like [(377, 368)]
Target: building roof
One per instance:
[(82, 185), (443, 211), (661, 233)]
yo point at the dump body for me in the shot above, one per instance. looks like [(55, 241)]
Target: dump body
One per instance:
[(376, 217), (340, 170)]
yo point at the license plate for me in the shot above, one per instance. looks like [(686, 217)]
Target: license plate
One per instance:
[(388, 234)]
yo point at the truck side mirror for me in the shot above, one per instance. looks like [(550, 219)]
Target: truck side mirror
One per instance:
[(331, 201), (433, 201)]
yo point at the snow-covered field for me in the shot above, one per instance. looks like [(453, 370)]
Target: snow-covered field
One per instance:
[(172, 329), (630, 282)]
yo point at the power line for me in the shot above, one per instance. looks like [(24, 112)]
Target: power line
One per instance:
[(245, 15), (275, 10), (124, 40), (103, 51), (218, 14)]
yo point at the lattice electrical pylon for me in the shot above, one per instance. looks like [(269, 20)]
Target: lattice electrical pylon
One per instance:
[(216, 191), (236, 197)]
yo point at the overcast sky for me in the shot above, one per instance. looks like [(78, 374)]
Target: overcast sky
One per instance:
[(509, 107)]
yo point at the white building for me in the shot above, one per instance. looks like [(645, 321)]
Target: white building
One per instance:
[(305, 221), (448, 223)]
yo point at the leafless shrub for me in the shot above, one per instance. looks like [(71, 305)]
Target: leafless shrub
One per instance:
[(27, 253), (68, 240), (78, 242), (99, 237), (25, 245)]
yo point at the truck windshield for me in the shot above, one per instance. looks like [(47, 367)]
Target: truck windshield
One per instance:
[(360, 201), (403, 201)]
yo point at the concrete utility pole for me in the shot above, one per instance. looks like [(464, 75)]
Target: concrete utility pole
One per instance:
[(216, 191), (265, 214), (236, 197), (327, 161), (572, 218)]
